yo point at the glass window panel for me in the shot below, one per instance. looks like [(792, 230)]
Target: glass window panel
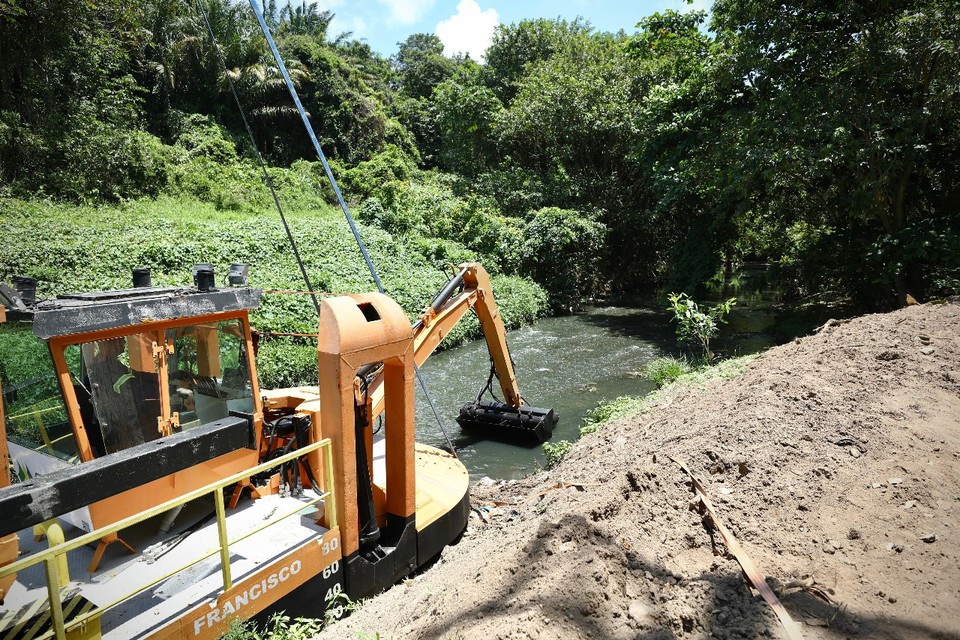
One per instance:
[(124, 389), (208, 372), (36, 418)]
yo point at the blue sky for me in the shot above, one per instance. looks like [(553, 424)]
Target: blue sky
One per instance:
[(466, 25)]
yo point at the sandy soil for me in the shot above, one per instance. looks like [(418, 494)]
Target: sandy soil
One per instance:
[(835, 460)]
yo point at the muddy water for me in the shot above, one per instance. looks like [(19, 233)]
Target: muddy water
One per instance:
[(567, 363)]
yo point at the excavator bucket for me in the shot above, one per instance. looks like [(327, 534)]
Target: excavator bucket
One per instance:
[(503, 421)]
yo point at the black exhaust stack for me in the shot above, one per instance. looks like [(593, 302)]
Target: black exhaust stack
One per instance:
[(500, 420)]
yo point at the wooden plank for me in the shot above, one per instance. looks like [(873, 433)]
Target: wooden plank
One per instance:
[(45, 497)]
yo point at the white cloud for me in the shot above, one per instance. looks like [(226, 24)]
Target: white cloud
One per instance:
[(407, 11), (469, 30)]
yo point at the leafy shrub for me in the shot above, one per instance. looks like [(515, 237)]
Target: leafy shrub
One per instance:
[(696, 326), (432, 208), (279, 627), (98, 161), (663, 371), (561, 251), (363, 180), (202, 138), (555, 452)]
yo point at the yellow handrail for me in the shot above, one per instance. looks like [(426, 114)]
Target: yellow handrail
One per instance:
[(49, 556)]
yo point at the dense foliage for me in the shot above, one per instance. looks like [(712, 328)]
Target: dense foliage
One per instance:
[(821, 139), (70, 248)]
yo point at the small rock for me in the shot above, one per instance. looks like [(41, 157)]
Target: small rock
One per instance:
[(828, 548), (892, 599), (836, 544), (853, 534), (895, 481), (894, 546), (486, 481), (909, 504), (639, 611), (929, 537), (854, 452), (888, 355), (876, 485), (927, 351)]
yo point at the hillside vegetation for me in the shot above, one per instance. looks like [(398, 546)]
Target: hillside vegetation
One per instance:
[(821, 140), (77, 248)]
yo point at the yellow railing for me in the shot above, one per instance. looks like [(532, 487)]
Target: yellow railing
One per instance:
[(50, 556), (35, 416)]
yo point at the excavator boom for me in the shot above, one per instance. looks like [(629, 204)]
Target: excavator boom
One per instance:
[(510, 419)]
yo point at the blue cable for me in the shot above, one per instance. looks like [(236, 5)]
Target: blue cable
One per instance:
[(316, 144), (336, 189)]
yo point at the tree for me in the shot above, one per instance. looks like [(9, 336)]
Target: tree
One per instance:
[(421, 65), (856, 110), (465, 111), (516, 46)]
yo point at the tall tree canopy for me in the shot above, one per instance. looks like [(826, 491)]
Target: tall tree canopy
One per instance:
[(821, 138)]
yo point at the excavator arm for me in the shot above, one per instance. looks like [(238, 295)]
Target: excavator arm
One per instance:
[(471, 289), (449, 307)]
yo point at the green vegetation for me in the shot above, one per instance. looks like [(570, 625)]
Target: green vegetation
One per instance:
[(89, 247), (280, 627), (663, 371), (555, 452), (821, 140), (697, 326)]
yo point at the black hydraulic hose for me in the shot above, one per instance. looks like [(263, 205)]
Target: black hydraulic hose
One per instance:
[(303, 425), (447, 291), (369, 531)]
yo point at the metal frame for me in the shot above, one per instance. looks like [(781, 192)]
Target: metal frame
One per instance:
[(51, 556)]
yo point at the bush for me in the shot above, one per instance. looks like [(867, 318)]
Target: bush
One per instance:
[(365, 179), (561, 251), (696, 326), (555, 452), (98, 161), (663, 371)]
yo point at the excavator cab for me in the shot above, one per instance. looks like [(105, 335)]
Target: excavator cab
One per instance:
[(98, 374)]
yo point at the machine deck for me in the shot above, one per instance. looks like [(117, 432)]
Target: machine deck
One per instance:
[(442, 484), (121, 573)]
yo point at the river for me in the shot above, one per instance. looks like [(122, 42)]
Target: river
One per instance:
[(567, 363)]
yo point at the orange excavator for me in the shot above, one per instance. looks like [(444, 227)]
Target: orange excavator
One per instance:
[(151, 489)]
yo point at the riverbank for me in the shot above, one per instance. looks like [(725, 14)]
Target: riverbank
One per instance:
[(833, 460)]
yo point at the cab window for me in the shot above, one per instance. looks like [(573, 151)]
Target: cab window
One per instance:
[(209, 374), (36, 417)]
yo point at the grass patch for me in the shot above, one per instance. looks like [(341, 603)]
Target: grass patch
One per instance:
[(629, 406), (663, 371)]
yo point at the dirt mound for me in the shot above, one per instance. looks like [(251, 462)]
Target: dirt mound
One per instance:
[(835, 460)]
